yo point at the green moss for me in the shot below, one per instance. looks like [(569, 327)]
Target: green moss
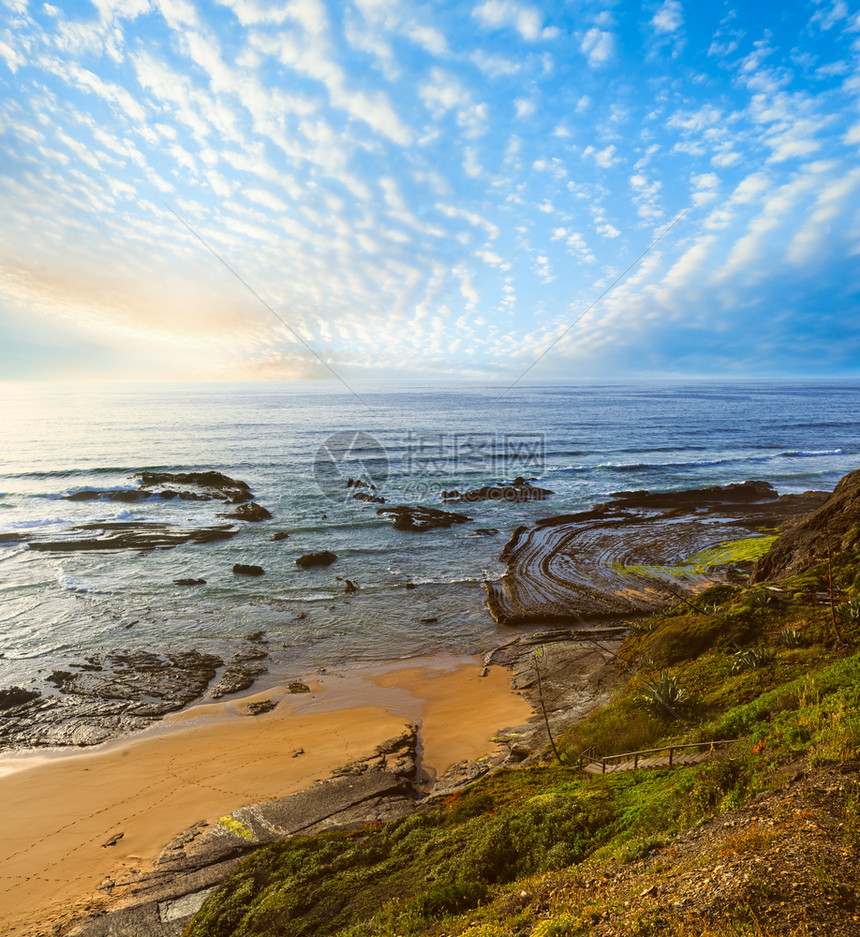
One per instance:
[(727, 553)]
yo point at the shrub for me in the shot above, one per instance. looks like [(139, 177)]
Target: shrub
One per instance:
[(561, 926), (663, 695), (623, 726)]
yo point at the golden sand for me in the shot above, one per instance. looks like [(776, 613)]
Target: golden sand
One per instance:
[(56, 812)]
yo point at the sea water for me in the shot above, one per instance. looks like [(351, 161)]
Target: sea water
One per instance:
[(295, 445)]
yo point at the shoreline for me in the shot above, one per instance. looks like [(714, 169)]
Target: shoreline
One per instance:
[(213, 759)]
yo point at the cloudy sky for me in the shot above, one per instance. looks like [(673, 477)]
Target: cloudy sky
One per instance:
[(429, 190)]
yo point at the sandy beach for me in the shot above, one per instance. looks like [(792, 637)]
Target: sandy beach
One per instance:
[(60, 809)]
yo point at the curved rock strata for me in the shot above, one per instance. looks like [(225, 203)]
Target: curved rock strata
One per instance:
[(636, 553)]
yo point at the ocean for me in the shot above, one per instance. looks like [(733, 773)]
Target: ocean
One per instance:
[(295, 444)]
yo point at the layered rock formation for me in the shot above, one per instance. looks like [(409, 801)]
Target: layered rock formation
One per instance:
[(634, 554)]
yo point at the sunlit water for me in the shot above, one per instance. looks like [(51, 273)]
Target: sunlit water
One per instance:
[(583, 441)]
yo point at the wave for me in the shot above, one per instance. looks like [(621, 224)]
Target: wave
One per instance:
[(80, 586), (699, 463), (810, 453)]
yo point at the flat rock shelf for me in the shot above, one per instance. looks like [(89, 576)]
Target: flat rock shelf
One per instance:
[(637, 553)]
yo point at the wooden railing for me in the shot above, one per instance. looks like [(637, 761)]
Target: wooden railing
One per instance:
[(635, 756)]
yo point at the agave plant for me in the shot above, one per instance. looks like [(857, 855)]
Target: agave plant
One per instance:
[(749, 658), (789, 637), (663, 694)]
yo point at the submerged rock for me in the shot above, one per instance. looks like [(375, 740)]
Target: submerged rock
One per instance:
[(280, 535), (189, 582), (325, 558)]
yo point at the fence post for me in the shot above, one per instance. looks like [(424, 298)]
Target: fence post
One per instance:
[(671, 753), (603, 762), (636, 761)]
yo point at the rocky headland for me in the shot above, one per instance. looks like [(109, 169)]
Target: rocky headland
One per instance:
[(638, 552)]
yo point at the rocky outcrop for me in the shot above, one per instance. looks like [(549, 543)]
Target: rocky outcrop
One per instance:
[(124, 535), (420, 519), (631, 555), (309, 560), (835, 524), (104, 696), (518, 490), (250, 511), (207, 486), (150, 535), (247, 569)]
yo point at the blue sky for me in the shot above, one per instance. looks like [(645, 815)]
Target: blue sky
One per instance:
[(429, 190)]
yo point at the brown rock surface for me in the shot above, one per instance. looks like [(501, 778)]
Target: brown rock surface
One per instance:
[(805, 542)]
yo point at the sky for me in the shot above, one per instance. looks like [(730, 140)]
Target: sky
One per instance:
[(243, 189)]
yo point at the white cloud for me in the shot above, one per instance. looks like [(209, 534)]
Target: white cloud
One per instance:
[(597, 46), (429, 38), (12, 58), (604, 157), (669, 18), (525, 19), (444, 93), (495, 65), (524, 107)]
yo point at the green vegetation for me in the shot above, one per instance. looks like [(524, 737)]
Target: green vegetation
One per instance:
[(760, 666), (747, 550)]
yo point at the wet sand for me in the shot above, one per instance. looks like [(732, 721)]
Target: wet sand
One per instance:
[(58, 811)]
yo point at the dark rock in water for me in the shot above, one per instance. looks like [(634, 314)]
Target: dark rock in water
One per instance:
[(410, 585), (427, 621), (834, 525), (326, 558), (420, 519), (209, 486), (518, 490), (298, 687), (247, 569), (127, 535), (258, 707), (109, 494), (350, 588), (744, 492), (359, 483), (249, 512), (230, 489), (364, 496), (16, 696), (189, 582), (256, 637), (280, 535), (485, 532)]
